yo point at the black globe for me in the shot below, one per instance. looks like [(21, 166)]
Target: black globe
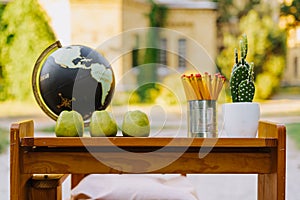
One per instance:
[(73, 77)]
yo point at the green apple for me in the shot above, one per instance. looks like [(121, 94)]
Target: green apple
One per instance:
[(103, 124), (135, 124), (69, 124)]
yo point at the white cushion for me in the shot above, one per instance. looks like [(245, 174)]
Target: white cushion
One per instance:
[(134, 187)]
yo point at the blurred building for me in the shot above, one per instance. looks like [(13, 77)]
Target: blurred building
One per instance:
[(292, 72), (117, 27)]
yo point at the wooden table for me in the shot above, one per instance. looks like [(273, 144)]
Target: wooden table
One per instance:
[(33, 157)]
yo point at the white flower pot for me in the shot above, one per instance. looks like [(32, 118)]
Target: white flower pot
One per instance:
[(240, 119)]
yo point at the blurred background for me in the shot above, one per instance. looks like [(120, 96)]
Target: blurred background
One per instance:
[(116, 28)]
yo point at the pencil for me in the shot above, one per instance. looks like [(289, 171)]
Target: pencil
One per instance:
[(188, 89), (206, 87), (195, 85)]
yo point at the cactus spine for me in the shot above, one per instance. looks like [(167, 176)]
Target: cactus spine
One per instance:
[(242, 80)]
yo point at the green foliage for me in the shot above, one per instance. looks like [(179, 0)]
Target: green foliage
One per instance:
[(168, 92), (267, 50), (2, 7), (230, 9), (147, 77), (25, 33), (157, 15), (291, 10), (147, 93)]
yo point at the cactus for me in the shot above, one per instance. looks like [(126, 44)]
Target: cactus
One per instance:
[(242, 80)]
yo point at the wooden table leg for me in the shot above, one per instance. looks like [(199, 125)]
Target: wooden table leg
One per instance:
[(46, 186), (272, 186), (18, 182), (76, 178)]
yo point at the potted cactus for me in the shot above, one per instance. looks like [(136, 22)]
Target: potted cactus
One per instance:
[(242, 115)]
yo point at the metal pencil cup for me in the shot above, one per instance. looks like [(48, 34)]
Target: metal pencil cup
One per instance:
[(202, 119)]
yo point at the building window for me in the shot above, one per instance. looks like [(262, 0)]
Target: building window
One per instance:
[(135, 51), (163, 52), (182, 53), (296, 67), (135, 57)]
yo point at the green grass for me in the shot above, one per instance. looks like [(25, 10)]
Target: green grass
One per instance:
[(289, 90), (48, 129), (4, 139), (293, 130)]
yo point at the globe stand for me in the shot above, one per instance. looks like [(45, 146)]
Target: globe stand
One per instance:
[(35, 77)]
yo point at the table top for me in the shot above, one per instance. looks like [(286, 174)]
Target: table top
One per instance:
[(146, 142)]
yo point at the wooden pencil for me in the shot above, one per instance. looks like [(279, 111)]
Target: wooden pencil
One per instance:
[(209, 85), (188, 88), (195, 85), (206, 87), (214, 87), (200, 86)]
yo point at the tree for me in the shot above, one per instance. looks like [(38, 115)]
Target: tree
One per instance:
[(266, 48), (147, 77), (290, 10), (230, 9), (229, 14), (2, 7), (25, 33)]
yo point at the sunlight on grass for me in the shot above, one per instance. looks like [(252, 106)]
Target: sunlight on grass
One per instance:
[(293, 130), (289, 90)]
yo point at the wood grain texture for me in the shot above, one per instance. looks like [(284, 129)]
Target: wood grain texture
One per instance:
[(46, 186), (146, 142), (76, 178), (265, 156), (18, 181), (154, 162), (272, 186)]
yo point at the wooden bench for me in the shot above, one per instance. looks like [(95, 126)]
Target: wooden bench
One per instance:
[(38, 165)]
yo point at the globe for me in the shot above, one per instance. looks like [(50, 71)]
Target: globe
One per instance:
[(73, 77)]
